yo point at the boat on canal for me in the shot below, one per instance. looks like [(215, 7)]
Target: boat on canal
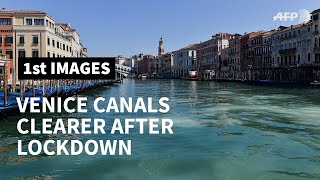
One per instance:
[(315, 84)]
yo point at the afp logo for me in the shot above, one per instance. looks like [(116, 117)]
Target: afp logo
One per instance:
[(303, 15)]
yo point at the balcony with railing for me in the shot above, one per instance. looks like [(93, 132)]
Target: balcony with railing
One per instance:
[(288, 51), (288, 37)]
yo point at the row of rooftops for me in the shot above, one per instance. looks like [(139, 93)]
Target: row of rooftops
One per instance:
[(229, 36), (11, 12), (4, 11), (250, 35), (65, 26)]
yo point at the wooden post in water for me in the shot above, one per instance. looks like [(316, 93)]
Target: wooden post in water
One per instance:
[(50, 86), (65, 86), (5, 82), (33, 91), (21, 89), (57, 85), (43, 88), (38, 84)]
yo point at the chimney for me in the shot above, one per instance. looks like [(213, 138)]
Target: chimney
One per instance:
[(3, 10)]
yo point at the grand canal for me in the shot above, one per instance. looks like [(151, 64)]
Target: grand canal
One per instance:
[(221, 131)]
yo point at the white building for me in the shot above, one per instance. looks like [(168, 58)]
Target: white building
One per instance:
[(184, 60)]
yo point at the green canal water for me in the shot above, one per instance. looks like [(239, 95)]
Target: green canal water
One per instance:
[(226, 131)]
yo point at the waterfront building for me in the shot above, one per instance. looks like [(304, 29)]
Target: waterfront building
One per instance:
[(234, 57), (161, 66), (36, 34), (209, 55), (184, 61), (266, 66), (154, 67), (316, 43), (133, 63), (255, 55), (205, 59), (143, 64), (6, 40), (246, 57), (291, 53), (4, 59), (166, 65), (224, 64)]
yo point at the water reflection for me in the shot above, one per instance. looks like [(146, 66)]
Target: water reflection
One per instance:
[(222, 131)]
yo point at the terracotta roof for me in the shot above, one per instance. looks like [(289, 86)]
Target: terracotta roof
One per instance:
[(254, 34), (268, 33), (296, 26), (65, 26), (191, 46)]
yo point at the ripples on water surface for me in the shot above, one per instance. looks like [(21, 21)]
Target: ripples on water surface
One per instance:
[(222, 131)]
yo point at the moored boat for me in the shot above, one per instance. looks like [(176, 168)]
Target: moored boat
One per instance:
[(315, 84)]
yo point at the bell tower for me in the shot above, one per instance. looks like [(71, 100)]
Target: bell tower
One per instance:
[(161, 47)]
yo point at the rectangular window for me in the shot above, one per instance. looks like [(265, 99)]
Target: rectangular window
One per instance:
[(29, 22), (64, 47), (5, 21), (53, 43), (9, 40), (35, 40), (21, 40), (22, 53), (48, 41), (53, 55), (58, 44), (0, 40), (9, 52), (39, 22), (35, 53)]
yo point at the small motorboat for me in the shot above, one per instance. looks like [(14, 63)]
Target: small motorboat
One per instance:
[(144, 76), (315, 84)]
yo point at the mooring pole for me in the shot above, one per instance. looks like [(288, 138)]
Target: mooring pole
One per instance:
[(33, 91), (5, 82), (21, 89)]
